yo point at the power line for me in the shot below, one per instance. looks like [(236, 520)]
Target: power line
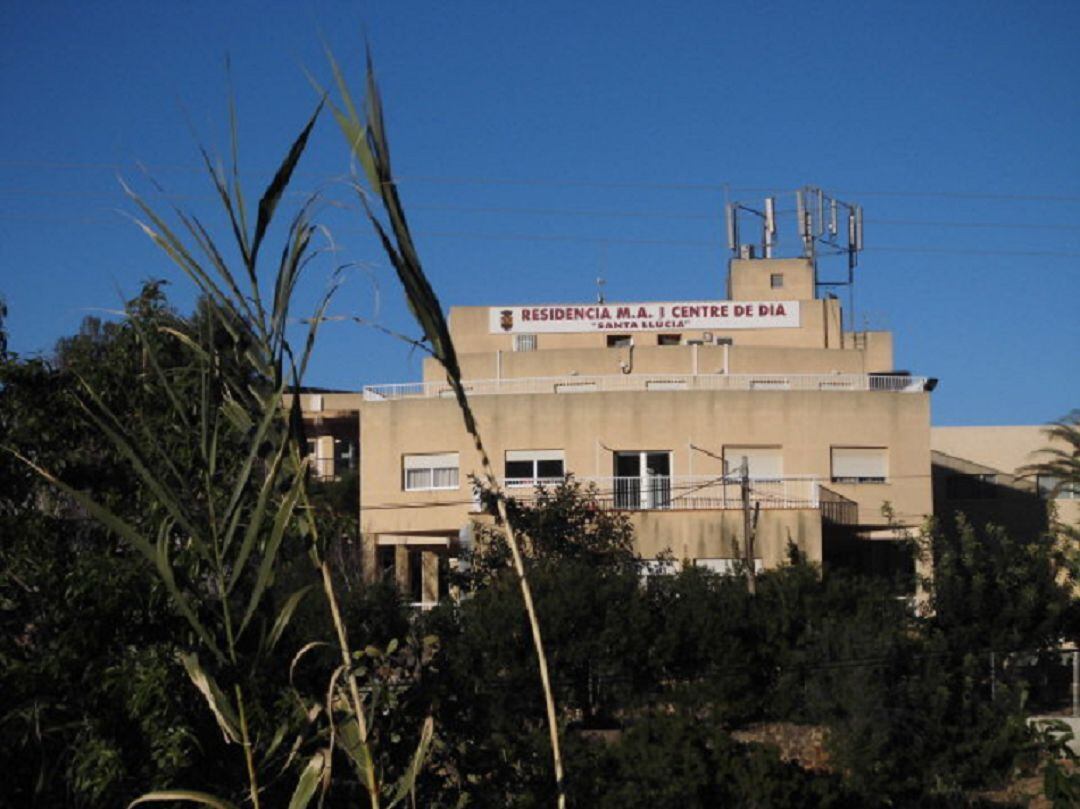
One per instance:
[(617, 214), (718, 186), (708, 244), (570, 212), (974, 251), (713, 244), (980, 225)]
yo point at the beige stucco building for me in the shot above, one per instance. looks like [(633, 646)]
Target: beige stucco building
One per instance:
[(656, 405), (981, 472)]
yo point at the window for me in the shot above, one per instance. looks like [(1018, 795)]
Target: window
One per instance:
[(619, 340), (1050, 487), (320, 454), (649, 568), (386, 562), (428, 472), (776, 280), (527, 467), (766, 463), (860, 464), (729, 567), (970, 487), (642, 480), (344, 456), (669, 339), (524, 342)]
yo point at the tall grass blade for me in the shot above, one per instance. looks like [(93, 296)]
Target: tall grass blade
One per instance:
[(210, 249), (178, 409), (153, 554), (272, 195), (110, 426), (309, 781), (191, 796), (348, 737), (373, 153), (226, 201), (254, 522), (273, 544), (234, 145), (269, 417), (284, 616), (163, 236), (107, 518), (168, 578), (223, 712), (407, 783)]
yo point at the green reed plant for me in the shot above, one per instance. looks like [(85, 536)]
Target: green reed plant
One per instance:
[(226, 520), (367, 142)]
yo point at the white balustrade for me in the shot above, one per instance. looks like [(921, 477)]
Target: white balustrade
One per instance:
[(655, 383)]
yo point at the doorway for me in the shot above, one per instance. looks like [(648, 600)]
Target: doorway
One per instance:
[(642, 480)]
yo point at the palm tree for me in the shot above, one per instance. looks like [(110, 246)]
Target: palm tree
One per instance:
[(1060, 465)]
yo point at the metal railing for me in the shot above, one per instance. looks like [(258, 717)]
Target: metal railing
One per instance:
[(651, 382), (836, 508), (675, 492), (529, 483)]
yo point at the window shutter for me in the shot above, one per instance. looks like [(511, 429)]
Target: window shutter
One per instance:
[(764, 462), (431, 471), (433, 461), (534, 455), (860, 463)]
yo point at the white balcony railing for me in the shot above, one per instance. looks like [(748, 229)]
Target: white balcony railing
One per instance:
[(652, 382), (674, 492)]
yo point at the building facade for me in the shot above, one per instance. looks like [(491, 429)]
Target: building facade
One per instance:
[(981, 472), (664, 408)]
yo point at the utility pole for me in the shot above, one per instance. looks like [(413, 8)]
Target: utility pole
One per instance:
[(1076, 683), (749, 525)]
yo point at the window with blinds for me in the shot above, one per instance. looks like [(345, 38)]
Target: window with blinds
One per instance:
[(524, 342), (430, 472), (766, 463), (860, 464), (524, 467)]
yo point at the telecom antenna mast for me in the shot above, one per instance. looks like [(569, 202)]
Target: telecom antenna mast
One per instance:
[(826, 227), (768, 228)]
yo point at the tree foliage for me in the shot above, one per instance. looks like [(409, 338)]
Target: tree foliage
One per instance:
[(93, 706)]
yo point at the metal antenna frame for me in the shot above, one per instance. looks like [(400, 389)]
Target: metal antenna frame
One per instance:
[(818, 216), (768, 225)]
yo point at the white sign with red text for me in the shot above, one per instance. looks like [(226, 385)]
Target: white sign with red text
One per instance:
[(620, 317)]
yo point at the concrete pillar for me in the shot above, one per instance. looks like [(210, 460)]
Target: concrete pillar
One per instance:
[(1076, 683), (369, 557), (401, 568), (430, 576)]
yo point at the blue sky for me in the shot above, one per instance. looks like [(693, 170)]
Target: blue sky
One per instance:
[(541, 145)]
